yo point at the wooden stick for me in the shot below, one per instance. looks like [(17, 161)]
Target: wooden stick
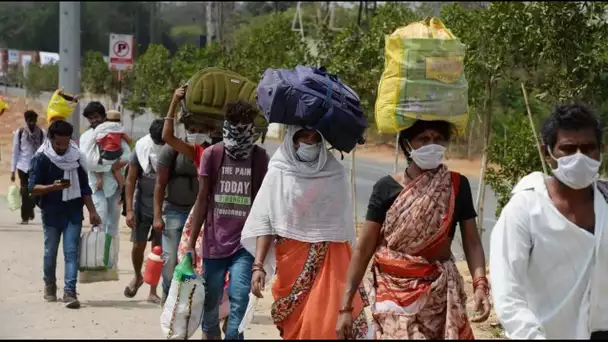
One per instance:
[(396, 168), (353, 187), (540, 151)]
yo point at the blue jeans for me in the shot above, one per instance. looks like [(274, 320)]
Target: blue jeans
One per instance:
[(108, 210), (71, 242), (239, 264), (174, 225)]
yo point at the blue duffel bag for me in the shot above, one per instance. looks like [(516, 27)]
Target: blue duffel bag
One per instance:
[(313, 98)]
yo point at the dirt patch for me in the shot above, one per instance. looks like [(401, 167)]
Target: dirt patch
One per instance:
[(12, 120)]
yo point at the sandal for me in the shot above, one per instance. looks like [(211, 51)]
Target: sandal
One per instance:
[(132, 292)]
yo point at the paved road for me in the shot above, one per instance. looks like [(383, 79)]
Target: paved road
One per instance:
[(367, 171)]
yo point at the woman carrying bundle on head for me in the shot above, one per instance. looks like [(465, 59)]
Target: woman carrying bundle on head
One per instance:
[(417, 291), (302, 223)]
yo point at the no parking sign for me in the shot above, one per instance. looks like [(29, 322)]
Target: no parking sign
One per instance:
[(121, 51)]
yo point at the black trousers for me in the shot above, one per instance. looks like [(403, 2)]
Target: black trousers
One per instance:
[(27, 203), (599, 335)]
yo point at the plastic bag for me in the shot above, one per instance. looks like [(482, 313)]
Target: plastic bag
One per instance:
[(183, 311), (13, 198), (3, 106), (61, 106), (249, 313), (98, 251), (423, 78), (182, 251)]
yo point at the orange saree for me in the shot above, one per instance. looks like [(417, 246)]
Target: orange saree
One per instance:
[(415, 298), (310, 280)]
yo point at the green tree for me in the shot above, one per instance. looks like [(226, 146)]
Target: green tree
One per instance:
[(40, 78), (357, 55), (153, 82), (267, 43)]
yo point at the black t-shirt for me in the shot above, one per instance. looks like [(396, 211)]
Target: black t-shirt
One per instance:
[(387, 189)]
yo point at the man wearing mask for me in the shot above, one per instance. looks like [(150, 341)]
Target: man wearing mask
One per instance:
[(549, 250), (230, 176), (140, 204), (176, 184), (27, 140), (106, 198), (59, 179)]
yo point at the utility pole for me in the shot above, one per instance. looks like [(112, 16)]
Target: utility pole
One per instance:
[(153, 33), (69, 55), (210, 22)]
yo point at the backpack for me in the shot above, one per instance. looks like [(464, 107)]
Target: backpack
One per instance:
[(209, 90), (313, 98)]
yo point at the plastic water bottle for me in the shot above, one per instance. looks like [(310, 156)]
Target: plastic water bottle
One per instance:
[(154, 267)]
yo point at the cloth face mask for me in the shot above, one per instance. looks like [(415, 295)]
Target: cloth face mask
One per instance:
[(577, 171)]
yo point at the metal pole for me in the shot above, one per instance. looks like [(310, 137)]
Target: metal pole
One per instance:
[(69, 55)]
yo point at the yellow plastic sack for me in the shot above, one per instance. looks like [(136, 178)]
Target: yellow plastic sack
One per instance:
[(13, 198), (59, 107), (3, 106), (423, 78)]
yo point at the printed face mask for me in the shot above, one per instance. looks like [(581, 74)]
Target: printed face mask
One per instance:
[(198, 138), (428, 157), (308, 153), (238, 140), (576, 171)]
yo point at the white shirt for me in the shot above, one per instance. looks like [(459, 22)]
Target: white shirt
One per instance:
[(22, 153), (110, 185), (542, 267)]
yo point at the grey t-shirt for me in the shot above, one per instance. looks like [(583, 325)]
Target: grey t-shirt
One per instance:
[(144, 192), (182, 188)]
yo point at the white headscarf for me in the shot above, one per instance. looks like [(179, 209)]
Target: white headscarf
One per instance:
[(147, 153), (304, 201), (69, 163)]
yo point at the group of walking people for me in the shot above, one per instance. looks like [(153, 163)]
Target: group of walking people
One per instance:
[(252, 218)]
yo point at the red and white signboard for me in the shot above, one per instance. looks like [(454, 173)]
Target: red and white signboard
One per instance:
[(121, 51)]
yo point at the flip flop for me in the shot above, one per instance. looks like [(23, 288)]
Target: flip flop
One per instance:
[(130, 293)]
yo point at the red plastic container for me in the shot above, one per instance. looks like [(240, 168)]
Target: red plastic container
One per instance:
[(154, 266)]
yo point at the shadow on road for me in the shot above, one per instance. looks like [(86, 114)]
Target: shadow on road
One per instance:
[(123, 304)]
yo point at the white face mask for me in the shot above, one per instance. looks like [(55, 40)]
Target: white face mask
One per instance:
[(198, 138), (308, 153), (428, 157), (576, 171)]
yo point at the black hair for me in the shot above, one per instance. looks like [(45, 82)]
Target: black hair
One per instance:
[(442, 127), (94, 107), (60, 128), (570, 117), (241, 112), (30, 115), (156, 130)]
